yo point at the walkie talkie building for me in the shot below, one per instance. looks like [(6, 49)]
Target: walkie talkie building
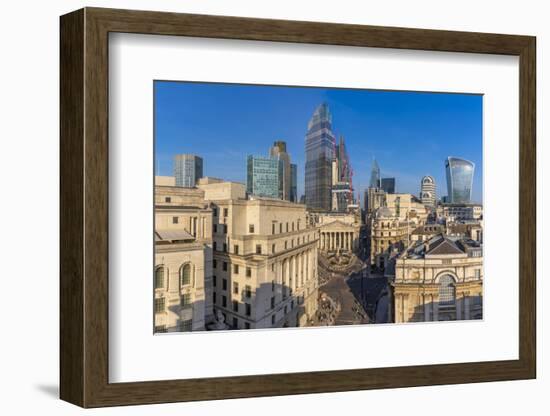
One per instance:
[(320, 142), (460, 177)]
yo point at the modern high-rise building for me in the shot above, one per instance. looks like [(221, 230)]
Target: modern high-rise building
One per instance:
[(374, 175), (460, 178), (427, 191), (342, 190), (264, 176), (278, 151), (187, 170), (293, 182), (319, 147), (388, 185)]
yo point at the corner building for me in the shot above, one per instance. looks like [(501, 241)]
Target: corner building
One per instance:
[(264, 259)]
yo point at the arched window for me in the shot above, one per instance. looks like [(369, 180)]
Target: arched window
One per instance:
[(185, 275), (159, 277), (447, 292)]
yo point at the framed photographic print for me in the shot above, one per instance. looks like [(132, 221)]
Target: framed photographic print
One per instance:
[(255, 207)]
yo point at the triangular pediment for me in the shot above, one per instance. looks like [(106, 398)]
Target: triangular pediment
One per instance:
[(336, 225), (445, 247)]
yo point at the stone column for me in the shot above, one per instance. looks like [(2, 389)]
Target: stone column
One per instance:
[(466, 297), (426, 300)]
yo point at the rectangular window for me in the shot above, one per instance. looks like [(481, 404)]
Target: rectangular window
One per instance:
[(286, 245), (273, 285), (478, 273), (225, 247), (246, 325), (287, 227), (215, 212), (174, 220), (292, 225), (273, 319), (235, 323), (225, 228), (248, 272), (280, 228), (185, 326), (236, 249), (214, 297), (224, 266), (273, 228), (235, 306), (248, 291), (272, 267), (224, 284), (258, 249), (159, 305), (251, 228), (248, 309), (160, 328), (224, 301), (159, 278), (272, 302), (186, 300), (272, 248), (225, 212), (236, 288), (214, 281), (235, 269), (215, 228), (214, 263), (214, 246), (167, 199)]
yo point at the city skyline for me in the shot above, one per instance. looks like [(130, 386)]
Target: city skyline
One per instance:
[(409, 133)]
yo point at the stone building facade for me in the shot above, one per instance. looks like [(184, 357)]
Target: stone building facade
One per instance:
[(264, 269), (339, 231), (436, 280), (183, 260)]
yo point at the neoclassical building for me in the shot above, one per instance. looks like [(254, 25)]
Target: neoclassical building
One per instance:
[(264, 269), (387, 229), (183, 259), (339, 231), (438, 279)]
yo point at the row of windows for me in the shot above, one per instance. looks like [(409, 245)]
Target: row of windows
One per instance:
[(215, 212), (287, 228), (236, 268), (259, 246), (184, 276), (186, 301)]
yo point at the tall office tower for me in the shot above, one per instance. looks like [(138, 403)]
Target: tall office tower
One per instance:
[(460, 178), (187, 170), (319, 146), (278, 151), (344, 166), (388, 185), (427, 191), (264, 176), (374, 175), (293, 182)]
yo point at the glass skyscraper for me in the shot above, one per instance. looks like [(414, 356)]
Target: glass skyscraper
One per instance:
[(320, 143), (187, 170), (388, 185), (293, 182), (374, 175), (460, 177), (264, 176)]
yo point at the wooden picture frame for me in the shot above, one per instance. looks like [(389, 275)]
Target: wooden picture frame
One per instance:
[(84, 207)]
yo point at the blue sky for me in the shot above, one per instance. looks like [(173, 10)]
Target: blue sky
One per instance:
[(409, 133)]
